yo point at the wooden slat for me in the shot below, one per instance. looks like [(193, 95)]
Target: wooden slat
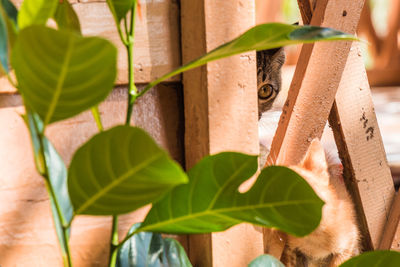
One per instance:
[(366, 171), (315, 82), (354, 95), (313, 88), (157, 48), (220, 113)]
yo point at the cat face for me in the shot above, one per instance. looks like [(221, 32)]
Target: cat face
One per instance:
[(269, 64)]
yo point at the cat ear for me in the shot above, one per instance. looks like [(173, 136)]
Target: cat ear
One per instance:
[(278, 58), (315, 159)]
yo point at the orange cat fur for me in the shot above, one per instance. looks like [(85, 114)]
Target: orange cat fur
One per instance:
[(337, 237)]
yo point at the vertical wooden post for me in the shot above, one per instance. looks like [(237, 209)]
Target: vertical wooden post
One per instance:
[(220, 113)]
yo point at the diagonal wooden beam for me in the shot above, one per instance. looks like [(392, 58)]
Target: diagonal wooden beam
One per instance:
[(366, 170), (315, 82), (314, 85), (368, 177)]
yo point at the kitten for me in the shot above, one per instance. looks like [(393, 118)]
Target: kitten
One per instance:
[(337, 237), (269, 65), (269, 82)]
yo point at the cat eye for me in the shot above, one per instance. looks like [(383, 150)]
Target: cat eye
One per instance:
[(265, 91)]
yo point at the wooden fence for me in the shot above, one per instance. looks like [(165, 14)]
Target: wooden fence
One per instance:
[(215, 111)]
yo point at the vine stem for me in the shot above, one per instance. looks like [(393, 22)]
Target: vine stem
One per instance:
[(114, 241), (67, 259), (132, 92)]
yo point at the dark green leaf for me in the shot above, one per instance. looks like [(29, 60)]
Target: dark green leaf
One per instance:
[(66, 18), (266, 261), (119, 8), (151, 250), (143, 249), (120, 170), (211, 202), (56, 170), (10, 10), (12, 31), (260, 37), (174, 254), (36, 12), (61, 73), (3, 43), (375, 259)]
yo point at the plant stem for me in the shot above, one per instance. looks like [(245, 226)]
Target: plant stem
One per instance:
[(127, 237), (97, 118), (114, 241), (66, 252), (132, 90)]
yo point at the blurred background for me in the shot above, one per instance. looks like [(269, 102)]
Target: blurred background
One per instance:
[(380, 27)]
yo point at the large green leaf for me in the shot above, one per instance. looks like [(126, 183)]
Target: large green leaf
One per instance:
[(151, 250), (119, 8), (3, 42), (57, 174), (66, 17), (36, 12), (375, 259), (61, 73), (260, 37), (120, 170), (280, 198), (266, 261)]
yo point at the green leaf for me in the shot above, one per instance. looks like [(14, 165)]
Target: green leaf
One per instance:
[(9, 14), (151, 250), (66, 17), (266, 261), (174, 254), (57, 171), (36, 12), (375, 259), (260, 37), (143, 249), (280, 198), (120, 170), (119, 8), (3, 43), (61, 73), (10, 10)]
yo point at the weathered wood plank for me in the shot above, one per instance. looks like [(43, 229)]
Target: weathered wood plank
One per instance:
[(366, 170), (353, 89), (220, 113), (157, 44), (315, 82)]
